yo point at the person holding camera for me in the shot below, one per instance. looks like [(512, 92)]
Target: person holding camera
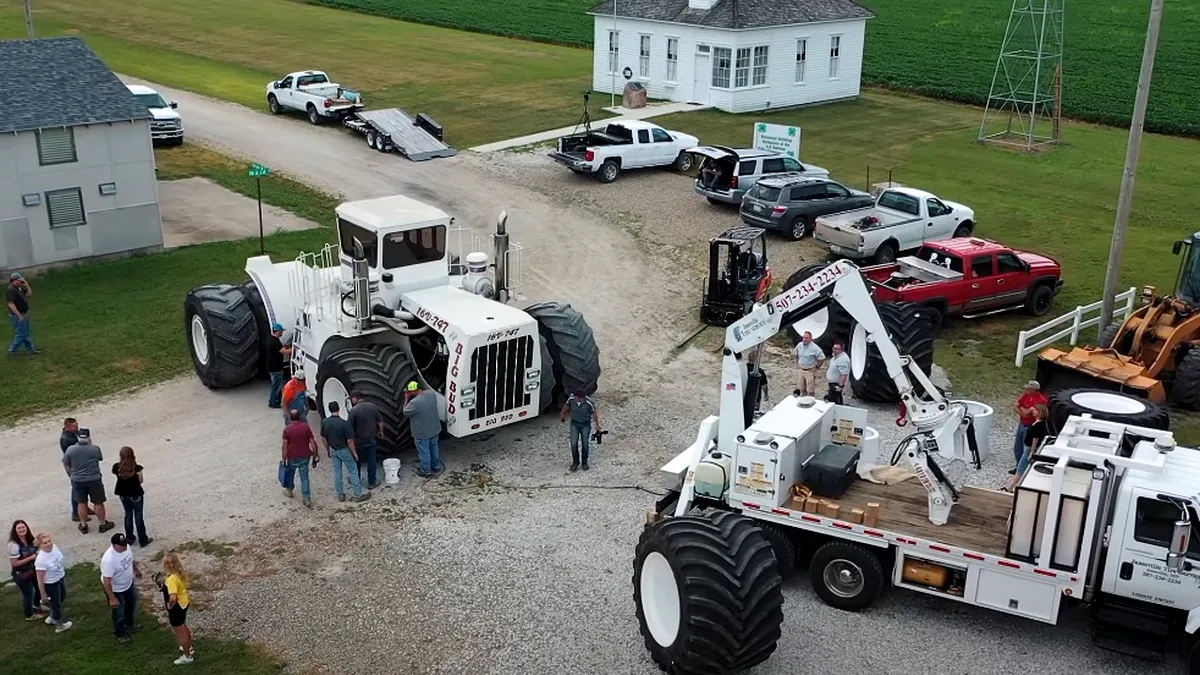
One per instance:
[(837, 375), (17, 296), (583, 412)]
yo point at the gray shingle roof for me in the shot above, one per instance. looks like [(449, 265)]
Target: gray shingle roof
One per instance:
[(737, 14), (59, 82)]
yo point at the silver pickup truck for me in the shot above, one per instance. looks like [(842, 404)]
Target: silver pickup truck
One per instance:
[(902, 219)]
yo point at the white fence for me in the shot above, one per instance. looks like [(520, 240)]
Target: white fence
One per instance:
[(1084, 316)]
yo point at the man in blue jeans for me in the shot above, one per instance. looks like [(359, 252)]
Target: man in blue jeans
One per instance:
[(275, 366), (299, 448), (367, 422), (421, 409), (17, 297), (66, 439), (118, 571), (583, 411), (340, 448)]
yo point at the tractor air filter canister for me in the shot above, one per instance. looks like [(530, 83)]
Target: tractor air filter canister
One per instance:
[(477, 280)]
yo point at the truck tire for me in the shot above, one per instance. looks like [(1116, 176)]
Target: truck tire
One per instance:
[(909, 328), (683, 162), (609, 171), (885, 254), (571, 345), (1040, 300), (1185, 391), (783, 546), (1107, 405), (963, 230), (222, 335), (371, 136), (847, 576), (273, 104), (936, 318), (314, 117), (800, 228), (380, 373), (259, 309), (708, 594), (828, 325)]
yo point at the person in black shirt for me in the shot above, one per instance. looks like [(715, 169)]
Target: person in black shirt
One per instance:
[(275, 366), (66, 439), (17, 297), (129, 489)]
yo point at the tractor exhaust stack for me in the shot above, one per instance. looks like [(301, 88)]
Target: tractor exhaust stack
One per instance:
[(500, 244), (362, 286)]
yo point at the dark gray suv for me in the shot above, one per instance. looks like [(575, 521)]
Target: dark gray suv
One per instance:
[(790, 204)]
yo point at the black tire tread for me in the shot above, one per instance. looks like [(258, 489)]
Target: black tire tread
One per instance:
[(840, 324), (250, 290), (379, 373), (784, 547), (575, 356), (1061, 407), (911, 331), (1185, 391), (730, 589), (867, 560), (232, 332)]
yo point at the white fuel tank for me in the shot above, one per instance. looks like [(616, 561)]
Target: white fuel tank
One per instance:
[(712, 475), (477, 281)]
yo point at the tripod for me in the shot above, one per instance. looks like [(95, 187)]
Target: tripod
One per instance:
[(585, 120)]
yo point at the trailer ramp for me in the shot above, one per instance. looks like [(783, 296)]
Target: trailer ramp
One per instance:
[(416, 138)]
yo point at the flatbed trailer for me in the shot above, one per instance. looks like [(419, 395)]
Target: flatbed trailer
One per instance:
[(392, 129)]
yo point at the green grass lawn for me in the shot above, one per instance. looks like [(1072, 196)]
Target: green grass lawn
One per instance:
[(481, 88), (90, 649), (109, 326)]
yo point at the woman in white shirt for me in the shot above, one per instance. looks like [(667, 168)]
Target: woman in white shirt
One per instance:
[(52, 580)]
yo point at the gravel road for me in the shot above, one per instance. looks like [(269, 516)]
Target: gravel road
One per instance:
[(509, 564)]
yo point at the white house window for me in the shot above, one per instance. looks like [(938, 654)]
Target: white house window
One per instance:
[(742, 70), (722, 56), (760, 66), (835, 48), (644, 57), (614, 50), (672, 58), (65, 207), (56, 146), (801, 59)]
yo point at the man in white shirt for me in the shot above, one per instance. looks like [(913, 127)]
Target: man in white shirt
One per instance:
[(809, 358), (118, 571), (837, 375)]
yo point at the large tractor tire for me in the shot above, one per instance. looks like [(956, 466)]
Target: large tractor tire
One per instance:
[(574, 355), (380, 373), (222, 335), (1185, 390), (1103, 404), (708, 593), (910, 329), (828, 325), (259, 308)]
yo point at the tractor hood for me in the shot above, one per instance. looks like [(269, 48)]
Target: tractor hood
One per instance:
[(458, 314)]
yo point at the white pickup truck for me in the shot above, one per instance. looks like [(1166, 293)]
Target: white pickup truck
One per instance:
[(311, 92), (166, 125), (902, 219), (624, 145)]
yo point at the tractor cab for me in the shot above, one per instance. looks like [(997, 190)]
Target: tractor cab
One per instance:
[(1187, 282), (402, 241), (738, 275)]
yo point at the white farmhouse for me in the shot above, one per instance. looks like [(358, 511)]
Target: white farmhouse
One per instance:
[(736, 55)]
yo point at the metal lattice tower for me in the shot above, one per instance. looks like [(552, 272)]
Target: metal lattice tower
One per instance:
[(1024, 107)]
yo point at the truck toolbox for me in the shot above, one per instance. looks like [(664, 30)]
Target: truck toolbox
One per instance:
[(831, 471)]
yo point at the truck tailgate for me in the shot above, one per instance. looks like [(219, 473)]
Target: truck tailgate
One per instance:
[(834, 231), (576, 161)]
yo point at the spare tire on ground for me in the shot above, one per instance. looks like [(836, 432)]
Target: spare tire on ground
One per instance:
[(829, 324), (909, 327), (222, 335), (1103, 404)]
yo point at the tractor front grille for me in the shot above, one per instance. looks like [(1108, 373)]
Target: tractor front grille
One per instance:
[(498, 374)]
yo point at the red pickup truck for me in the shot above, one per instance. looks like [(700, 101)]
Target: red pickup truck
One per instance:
[(970, 277)]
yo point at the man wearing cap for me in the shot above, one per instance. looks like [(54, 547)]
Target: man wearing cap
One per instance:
[(275, 366), (82, 463), (17, 296), (118, 570), (583, 412), (1026, 405), (421, 409), (338, 436), (295, 397), (367, 423)]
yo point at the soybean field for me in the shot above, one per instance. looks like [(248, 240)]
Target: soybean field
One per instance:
[(940, 48)]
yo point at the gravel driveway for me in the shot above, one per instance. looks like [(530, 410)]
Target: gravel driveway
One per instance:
[(509, 564)]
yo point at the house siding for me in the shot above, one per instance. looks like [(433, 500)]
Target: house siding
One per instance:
[(120, 153), (780, 91)]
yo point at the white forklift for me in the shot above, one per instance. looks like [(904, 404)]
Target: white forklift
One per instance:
[(387, 305), (1105, 514)]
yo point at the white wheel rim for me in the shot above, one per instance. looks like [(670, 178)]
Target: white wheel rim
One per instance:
[(858, 352), (1109, 403), (333, 390), (660, 599), (816, 323), (199, 340), (843, 578)]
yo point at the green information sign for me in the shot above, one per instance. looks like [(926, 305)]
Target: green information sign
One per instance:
[(258, 170)]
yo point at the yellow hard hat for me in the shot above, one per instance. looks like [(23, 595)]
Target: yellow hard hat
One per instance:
[(413, 386)]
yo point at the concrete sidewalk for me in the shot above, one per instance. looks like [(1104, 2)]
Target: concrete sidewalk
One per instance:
[(622, 114)]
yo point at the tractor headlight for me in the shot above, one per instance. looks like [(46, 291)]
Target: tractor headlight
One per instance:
[(533, 386), (468, 396), (533, 374)]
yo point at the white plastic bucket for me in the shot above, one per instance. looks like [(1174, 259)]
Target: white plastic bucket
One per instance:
[(391, 471)]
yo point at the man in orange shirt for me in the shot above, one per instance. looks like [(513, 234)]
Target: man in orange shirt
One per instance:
[(1026, 405), (295, 387)]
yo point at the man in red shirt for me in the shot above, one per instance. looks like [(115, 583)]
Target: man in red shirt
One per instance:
[(1033, 396), (299, 448)]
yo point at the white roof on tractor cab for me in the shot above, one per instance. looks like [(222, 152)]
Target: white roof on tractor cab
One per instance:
[(390, 212), (470, 313)]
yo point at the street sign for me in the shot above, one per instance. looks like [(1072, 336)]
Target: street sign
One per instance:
[(258, 170), (778, 138)]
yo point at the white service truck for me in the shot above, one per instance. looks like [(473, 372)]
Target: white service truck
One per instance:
[(625, 145), (1105, 515), (901, 220), (314, 94)]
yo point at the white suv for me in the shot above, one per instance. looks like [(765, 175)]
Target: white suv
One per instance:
[(166, 127), (737, 170)]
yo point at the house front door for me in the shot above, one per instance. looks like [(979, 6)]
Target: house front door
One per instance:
[(701, 77)]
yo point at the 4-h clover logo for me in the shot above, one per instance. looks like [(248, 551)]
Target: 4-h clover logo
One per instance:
[(791, 131), (762, 128)]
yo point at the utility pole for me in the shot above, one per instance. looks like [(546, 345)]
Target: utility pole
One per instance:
[(29, 18), (1125, 201)]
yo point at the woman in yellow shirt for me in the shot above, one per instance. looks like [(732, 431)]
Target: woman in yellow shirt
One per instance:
[(175, 592)]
